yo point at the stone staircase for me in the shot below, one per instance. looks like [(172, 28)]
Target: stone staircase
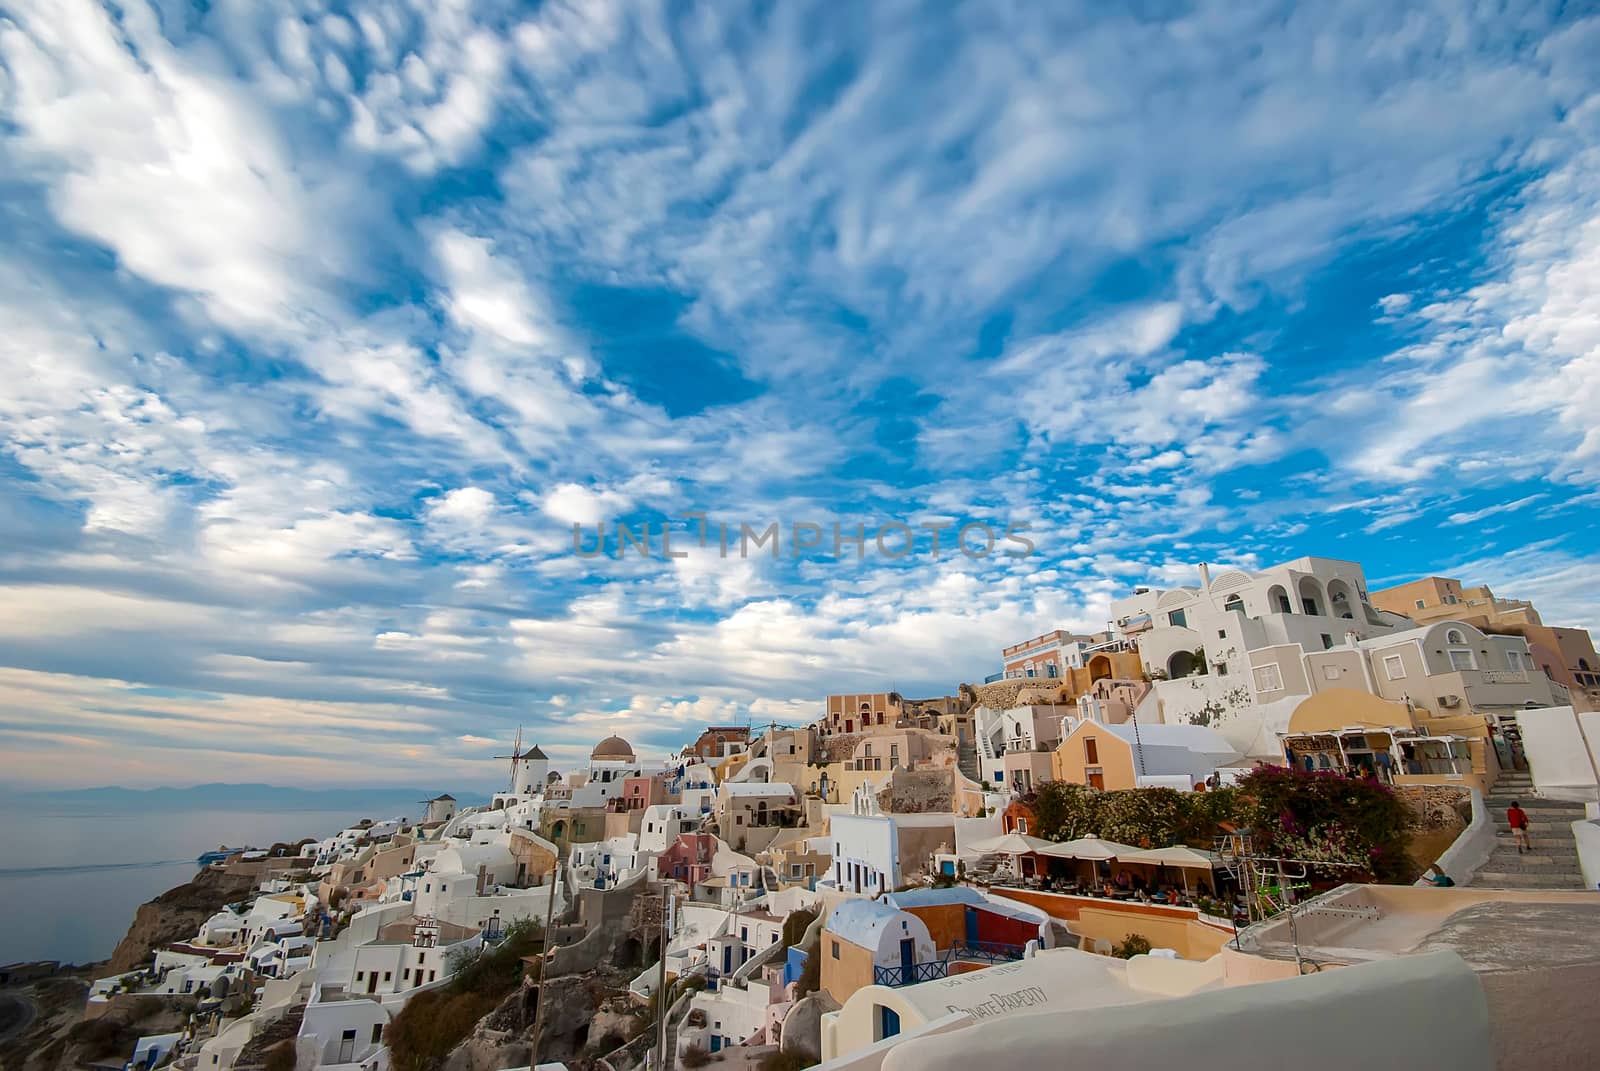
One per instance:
[(1552, 862), (967, 761)]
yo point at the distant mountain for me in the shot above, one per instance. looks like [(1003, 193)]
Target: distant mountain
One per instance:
[(360, 802)]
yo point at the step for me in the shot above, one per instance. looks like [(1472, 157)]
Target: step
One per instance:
[(1535, 804), (1532, 864), (1541, 845), (1554, 851), (1512, 879)]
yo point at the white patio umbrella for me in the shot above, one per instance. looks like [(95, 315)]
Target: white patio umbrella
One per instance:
[(1180, 856), (1093, 849), (1009, 844)]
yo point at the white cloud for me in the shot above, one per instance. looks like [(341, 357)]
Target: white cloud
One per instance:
[(173, 168)]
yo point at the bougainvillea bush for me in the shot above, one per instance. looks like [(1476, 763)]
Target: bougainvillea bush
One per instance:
[(1319, 816)]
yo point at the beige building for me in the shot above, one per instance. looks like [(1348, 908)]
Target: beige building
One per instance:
[(860, 713), (1565, 655)]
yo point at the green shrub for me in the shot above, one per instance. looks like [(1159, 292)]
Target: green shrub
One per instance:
[(1316, 816), (796, 924), (281, 1057), (810, 979), (784, 1061), (1135, 944)]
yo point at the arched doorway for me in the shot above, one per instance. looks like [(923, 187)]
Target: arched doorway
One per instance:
[(1180, 664), (1278, 600), (1311, 601), (1099, 668), (1340, 602)]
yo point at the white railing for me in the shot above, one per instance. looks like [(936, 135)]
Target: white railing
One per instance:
[(1504, 676)]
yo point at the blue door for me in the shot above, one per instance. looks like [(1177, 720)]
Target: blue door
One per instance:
[(972, 925), (888, 1023), (716, 1043), (908, 961)]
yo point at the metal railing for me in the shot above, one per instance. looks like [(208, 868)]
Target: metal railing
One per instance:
[(900, 974), (990, 951)]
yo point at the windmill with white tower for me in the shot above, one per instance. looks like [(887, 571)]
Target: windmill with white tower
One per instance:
[(529, 770)]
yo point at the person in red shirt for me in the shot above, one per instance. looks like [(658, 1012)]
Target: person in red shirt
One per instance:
[(1517, 818)]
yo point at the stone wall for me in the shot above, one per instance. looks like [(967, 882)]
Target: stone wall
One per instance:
[(1437, 807)]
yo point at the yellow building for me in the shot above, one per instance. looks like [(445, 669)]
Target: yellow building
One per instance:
[(1342, 727)]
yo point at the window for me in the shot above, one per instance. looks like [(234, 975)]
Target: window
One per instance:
[(1022, 826), (1453, 636), (377, 1033), (894, 754), (388, 976), (1514, 659), (1394, 667), (1177, 619), (1461, 659), (347, 1046), (1268, 679), (836, 950), (432, 975), (1233, 602), (1222, 633), (1091, 751), (1422, 604), (1327, 642)]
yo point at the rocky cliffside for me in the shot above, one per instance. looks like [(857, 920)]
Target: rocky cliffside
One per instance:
[(176, 914)]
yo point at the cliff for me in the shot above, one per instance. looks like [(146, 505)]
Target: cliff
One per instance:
[(176, 914)]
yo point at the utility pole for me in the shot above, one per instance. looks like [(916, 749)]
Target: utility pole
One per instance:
[(661, 981), (556, 874)]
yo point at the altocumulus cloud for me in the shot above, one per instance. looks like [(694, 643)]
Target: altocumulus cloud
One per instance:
[(326, 322)]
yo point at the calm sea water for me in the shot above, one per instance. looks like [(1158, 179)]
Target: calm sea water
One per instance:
[(70, 882)]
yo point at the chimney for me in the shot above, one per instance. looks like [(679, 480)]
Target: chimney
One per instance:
[(1205, 578)]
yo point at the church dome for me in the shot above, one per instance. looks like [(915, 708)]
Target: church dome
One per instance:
[(612, 747)]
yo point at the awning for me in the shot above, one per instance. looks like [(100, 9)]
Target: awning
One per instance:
[(1177, 855), (1090, 848), (1010, 844)]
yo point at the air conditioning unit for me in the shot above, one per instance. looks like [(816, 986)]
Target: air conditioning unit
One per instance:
[(1450, 701)]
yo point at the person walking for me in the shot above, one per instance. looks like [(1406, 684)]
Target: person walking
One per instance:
[(1517, 818)]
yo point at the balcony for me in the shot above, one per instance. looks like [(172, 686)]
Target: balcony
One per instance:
[(1504, 676)]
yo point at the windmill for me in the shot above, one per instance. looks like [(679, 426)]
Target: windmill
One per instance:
[(515, 757)]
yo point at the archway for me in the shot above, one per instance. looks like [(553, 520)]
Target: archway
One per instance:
[(558, 830), (1180, 664), (1278, 600), (1233, 602), (1099, 668), (1340, 602), (1311, 601)]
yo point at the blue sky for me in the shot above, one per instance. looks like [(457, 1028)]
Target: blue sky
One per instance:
[(326, 322)]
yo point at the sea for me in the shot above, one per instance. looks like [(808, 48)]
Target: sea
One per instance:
[(71, 877)]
